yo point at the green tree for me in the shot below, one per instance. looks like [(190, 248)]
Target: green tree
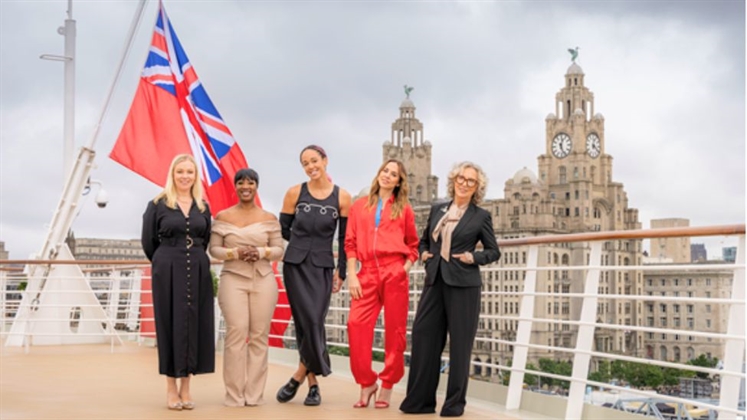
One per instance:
[(703, 361), (216, 282), (557, 367), (530, 379), (338, 350), (602, 374)]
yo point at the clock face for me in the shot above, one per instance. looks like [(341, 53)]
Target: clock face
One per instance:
[(593, 146), (561, 145)]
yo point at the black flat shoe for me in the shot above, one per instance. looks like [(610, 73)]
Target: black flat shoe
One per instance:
[(288, 391), (314, 398)]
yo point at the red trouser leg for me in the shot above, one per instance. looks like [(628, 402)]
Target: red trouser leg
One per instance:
[(363, 315), (396, 296)]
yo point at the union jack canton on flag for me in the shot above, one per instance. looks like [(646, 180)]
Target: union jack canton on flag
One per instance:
[(173, 114)]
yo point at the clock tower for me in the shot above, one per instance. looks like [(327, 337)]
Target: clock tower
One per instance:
[(572, 192), (574, 165)]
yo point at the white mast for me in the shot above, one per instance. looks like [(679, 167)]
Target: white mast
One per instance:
[(69, 118), (68, 123), (44, 301)]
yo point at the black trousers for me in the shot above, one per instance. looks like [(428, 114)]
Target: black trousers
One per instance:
[(442, 309)]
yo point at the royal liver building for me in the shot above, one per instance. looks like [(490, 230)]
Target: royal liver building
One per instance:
[(572, 190)]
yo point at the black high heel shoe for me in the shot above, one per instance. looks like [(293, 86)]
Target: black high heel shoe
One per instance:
[(313, 398), (288, 391)]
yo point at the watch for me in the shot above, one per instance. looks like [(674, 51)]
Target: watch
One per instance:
[(561, 145), (593, 146)]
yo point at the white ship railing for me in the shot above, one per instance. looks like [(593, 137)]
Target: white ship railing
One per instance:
[(117, 286)]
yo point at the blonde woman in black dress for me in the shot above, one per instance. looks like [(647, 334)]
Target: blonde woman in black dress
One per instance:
[(175, 236)]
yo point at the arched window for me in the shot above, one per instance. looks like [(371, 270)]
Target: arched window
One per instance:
[(690, 353), (565, 259), (676, 354), (478, 368), (662, 353)]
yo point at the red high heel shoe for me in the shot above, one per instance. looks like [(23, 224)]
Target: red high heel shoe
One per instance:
[(383, 403), (361, 404)]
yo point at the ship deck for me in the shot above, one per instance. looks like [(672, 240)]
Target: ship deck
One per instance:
[(94, 382)]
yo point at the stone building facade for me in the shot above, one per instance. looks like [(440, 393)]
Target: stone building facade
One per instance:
[(676, 249), (703, 316)]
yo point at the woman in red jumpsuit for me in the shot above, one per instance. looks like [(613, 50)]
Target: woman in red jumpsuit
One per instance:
[(381, 234)]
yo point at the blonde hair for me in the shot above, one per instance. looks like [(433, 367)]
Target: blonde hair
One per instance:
[(169, 191), (400, 192), (482, 180)]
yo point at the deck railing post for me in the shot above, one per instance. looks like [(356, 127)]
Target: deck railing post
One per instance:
[(523, 332), (585, 338), (734, 349)]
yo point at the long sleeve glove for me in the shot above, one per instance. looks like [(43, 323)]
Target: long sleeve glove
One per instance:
[(342, 261), (286, 220)]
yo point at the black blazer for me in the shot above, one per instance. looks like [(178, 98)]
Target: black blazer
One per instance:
[(475, 226)]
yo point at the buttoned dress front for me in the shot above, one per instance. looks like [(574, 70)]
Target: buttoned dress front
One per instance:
[(182, 288)]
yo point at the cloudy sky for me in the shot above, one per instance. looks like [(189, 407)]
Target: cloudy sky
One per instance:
[(669, 77)]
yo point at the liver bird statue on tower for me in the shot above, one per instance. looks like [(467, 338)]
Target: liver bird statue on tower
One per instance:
[(574, 53)]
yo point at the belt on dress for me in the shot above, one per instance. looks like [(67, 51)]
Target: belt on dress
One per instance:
[(185, 240)]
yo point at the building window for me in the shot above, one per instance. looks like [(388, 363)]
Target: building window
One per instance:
[(690, 323), (689, 309), (676, 308), (708, 282), (708, 323)]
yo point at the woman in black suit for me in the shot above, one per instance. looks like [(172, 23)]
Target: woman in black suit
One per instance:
[(450, 302)]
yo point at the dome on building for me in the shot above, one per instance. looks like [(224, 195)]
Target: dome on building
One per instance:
[(574, 69), (598, 116), (407, 140), (578, 111), (550, 116), (363, 192), (407, 103), (525, 175)]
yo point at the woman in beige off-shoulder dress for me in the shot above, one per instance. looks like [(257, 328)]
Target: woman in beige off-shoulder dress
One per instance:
[(248, 239)]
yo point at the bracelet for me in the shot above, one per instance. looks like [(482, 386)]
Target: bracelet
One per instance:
[(230, 254), (267, 252)]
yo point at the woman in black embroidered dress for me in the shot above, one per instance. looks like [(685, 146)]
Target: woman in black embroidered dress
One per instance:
[(311, 213), (176, 231)]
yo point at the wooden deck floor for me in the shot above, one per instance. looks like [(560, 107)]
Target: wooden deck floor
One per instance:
[(91, 382)]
